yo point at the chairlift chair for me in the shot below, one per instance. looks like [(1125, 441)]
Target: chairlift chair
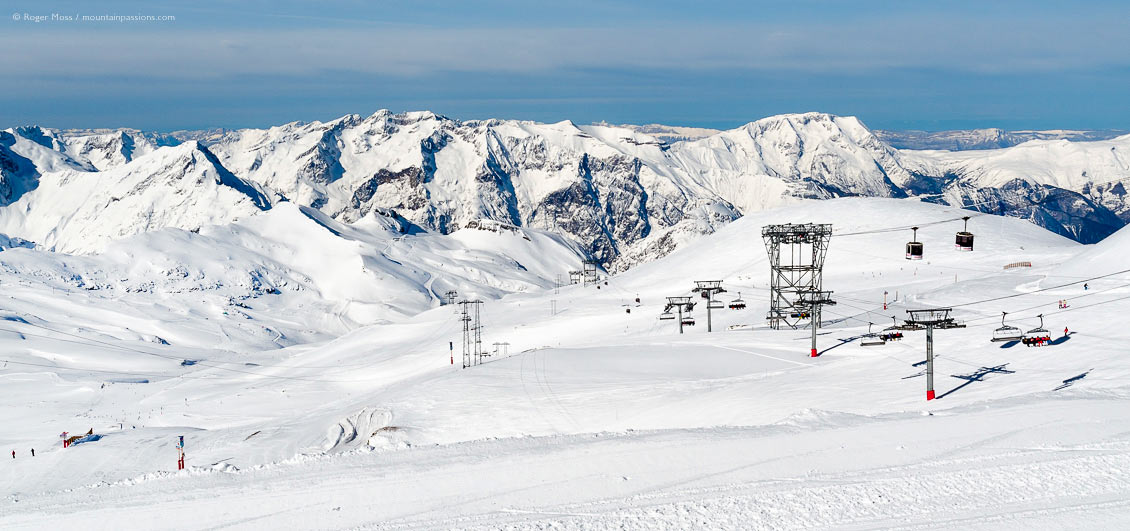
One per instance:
[(914, 247), (1037, 337), (738, 303), (1007, 332), (799, 315), (666, 316), (715, 305), (871, 339), (688, 321), (891, 333), (964, 240)]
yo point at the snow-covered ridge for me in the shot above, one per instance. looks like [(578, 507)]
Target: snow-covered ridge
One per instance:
[(991, 138), (669, 133), (627, 194), (82, 211), (370, 271)]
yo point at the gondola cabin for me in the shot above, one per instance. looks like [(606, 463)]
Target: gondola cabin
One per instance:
[(964, 239), (914, 248)]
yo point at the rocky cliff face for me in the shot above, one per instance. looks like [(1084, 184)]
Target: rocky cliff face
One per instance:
[(609, 188)]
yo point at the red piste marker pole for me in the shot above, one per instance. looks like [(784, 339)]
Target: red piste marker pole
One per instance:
[(451, 350)]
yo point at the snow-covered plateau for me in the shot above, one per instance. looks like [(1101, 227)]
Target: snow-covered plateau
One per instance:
[(305, 350)]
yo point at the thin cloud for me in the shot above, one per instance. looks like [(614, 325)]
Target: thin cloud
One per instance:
[(981, 46)]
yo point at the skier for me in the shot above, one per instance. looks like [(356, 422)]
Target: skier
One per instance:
[(33, 452), (1065, 331), (1085, 287)]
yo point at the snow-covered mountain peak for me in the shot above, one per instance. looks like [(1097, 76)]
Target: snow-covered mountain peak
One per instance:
[(803, 122), (44, 137)]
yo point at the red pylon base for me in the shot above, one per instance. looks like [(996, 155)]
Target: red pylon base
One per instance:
[(930, 394), (814, 354)]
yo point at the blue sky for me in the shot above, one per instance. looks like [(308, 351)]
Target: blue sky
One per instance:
[(896, 65)]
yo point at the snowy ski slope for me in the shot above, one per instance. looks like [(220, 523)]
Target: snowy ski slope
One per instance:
[(325, 397)]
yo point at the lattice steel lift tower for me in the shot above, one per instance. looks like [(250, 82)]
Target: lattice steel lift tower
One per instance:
[(796, 269), (472, 333), (928, 320), (591, 272)]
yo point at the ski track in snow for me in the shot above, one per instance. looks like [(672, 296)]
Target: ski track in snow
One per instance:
[(600, 418), (650, 480)]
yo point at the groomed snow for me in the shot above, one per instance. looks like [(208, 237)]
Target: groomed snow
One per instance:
[(596, 418)]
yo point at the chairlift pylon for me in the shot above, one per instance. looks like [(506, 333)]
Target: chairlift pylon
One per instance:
[(914, 247), (1007, 332)]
